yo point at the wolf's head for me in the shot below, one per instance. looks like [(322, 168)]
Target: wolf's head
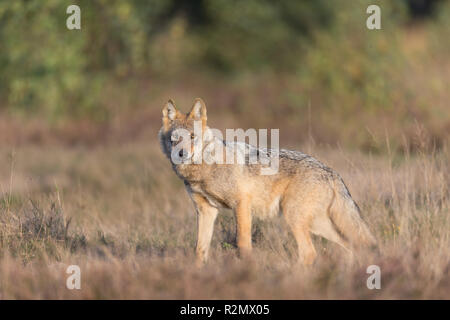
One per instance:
[(182, 135)]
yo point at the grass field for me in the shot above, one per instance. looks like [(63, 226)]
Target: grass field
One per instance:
[(120, 213)]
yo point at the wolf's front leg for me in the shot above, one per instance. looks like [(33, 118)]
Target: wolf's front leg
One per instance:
[(206, 215), (244, 227)]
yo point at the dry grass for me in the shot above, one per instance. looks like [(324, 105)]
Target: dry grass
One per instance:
[(122, 215)]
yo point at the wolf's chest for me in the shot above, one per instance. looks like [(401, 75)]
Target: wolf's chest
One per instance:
[(262, 205), (212, 199)]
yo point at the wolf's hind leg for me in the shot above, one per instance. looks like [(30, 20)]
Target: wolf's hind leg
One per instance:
[(306, 251), (300, 226), (322, 226), (206, 215)]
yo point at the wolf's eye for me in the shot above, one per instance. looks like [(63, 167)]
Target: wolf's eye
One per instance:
[(192, 136)]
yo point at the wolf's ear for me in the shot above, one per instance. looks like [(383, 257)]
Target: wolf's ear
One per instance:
[(169, 110), (198, 111), (169, 113)]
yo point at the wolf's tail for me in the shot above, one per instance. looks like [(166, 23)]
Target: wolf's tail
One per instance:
[(345, 214)]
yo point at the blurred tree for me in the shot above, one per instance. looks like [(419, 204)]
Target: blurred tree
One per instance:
[(422, 8)]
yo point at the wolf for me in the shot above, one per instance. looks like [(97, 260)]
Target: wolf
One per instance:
[(312, 197)]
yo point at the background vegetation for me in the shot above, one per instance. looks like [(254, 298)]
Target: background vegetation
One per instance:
[(82, 179), (295, 64)]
